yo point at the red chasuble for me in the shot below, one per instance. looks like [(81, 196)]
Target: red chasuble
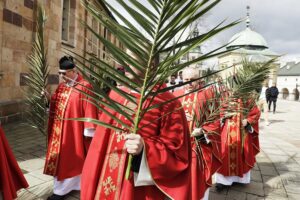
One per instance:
[(167, 150), (66, 151), (206, 160), (11, 176), (239, 147)]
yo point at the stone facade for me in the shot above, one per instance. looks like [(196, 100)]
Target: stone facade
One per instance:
[(17, 31), (234, 61), (288, 87)]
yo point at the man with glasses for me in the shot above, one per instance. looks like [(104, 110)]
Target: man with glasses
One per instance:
[(206, 157), (68, 140)]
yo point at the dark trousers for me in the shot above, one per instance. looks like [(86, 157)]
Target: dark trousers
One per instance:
[(274, 104)]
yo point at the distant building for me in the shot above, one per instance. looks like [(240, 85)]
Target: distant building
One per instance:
[(62, 31), (288, 81), (191, 55), (251, 46)]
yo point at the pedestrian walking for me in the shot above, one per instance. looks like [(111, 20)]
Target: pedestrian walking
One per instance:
[(273, 97), (262, 102)]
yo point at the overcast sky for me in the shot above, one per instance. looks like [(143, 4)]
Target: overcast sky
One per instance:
[(278, 21)]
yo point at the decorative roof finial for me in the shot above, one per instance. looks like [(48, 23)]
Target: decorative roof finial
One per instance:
[(248, 17)]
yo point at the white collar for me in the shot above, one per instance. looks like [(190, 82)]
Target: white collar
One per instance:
[(72, 82)]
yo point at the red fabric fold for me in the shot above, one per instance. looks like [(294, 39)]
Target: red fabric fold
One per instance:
[(167, 151), (72, 144), (11, 176)]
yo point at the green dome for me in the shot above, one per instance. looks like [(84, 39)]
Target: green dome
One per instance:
[(247, 39)]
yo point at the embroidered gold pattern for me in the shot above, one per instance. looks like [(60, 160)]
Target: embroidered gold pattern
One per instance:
[(120, 136), (232, 165), (109, 186), (113, 160)]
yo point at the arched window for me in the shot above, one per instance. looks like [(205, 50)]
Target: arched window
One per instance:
[(94, 38), (68, 22), (65, 20)]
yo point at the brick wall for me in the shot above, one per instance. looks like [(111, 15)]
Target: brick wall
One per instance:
[(17, 26)]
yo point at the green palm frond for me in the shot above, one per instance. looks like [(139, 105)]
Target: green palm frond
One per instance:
[(146, 36), (161, 27), (250, 77), (36, 79), (242, 85), (248, 81)]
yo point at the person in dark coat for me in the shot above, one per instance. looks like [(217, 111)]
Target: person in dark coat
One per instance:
[(273, 97)]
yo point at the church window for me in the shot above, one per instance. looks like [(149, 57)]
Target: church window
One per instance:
[(65, 20)]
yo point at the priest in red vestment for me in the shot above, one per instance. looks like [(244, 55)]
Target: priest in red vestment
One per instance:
[(205, 141), (11, 176), (240, 145), (161, 163), (68, 140)]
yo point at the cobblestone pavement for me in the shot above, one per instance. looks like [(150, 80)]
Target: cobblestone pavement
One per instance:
[(276, 175)]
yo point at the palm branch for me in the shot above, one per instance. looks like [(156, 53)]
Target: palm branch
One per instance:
[(243, 85), (160, 21), (248, 81), (36, 79)]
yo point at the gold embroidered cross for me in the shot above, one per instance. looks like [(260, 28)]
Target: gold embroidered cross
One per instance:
[(109, 186)]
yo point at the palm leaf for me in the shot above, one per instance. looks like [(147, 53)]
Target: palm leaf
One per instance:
[(36, 79), (248, 79), (160, 21)]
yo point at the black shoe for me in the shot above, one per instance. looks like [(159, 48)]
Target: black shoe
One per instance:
[(220, 187), (56, 197)]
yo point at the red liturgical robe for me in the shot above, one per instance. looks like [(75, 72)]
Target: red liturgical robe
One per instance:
[(11, 176), (167, 150), (208, 160), (239, 146), (66, 151)]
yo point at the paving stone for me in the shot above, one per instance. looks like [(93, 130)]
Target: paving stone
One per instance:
[(275, 192), (256, 176), (32, 164), (263, 160), (294, 196), (289, 176), (236, 195), (216, 196), (275, 152), (255, 167), (292, 167), (26, 156), (274, 197), (42, 190), (40, 175), (292, 187), (255, 188), (33, 181), (25, 195), (254, 197), (266, 163), (277, 158), (273, 182), (266, 170)]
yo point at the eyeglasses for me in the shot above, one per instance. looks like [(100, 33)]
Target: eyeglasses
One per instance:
[(62, 73)]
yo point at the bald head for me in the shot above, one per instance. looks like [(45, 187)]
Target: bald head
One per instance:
[(190, 74)]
